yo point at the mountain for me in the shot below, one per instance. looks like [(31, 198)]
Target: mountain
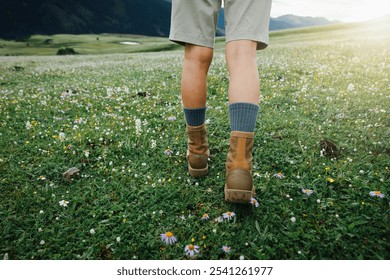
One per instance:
[(25, 17), (22, 18), (282, 22), (292, 21)]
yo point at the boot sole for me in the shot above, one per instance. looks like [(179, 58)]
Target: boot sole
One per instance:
[(198, 172), (238, 196)]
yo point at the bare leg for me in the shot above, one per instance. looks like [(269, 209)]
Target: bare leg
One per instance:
[(244, 92), (244, 77), (197, 61)]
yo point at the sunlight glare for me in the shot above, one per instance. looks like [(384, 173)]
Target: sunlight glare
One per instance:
[(369, 9)]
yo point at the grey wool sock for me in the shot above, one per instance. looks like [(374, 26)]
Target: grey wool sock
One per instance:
[(243, 116), (195, 117)]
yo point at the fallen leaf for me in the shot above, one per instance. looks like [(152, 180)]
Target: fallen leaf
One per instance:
[(70, 173)]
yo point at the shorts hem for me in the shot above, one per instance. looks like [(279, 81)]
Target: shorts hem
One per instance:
[(262, 40), (194, 39)]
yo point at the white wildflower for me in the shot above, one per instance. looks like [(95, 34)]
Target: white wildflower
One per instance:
[(138, 127)]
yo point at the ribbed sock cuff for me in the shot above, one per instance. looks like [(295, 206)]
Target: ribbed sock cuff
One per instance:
[(195, 117), (243, 116)]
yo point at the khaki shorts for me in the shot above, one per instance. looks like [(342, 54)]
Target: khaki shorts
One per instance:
[(195, 21)]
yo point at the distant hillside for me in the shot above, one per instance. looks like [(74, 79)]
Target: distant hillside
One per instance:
[(23, 18), (283, 22), (298, 21)]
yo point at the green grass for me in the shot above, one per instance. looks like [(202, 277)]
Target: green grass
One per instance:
[(129, 192), (84, 44)]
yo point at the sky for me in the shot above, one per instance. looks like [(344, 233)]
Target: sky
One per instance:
[(343, 10)]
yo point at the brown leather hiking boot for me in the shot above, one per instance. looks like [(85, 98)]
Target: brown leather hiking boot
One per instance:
[(239, 182), (197, 151)]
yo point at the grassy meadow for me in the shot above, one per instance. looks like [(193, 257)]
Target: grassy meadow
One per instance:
[(84, 44), (321, 152)]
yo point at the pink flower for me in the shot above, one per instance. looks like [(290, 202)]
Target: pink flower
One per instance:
[(377, 193), (228, 215), (168, 238), (279, 175), (226, 249), (307, 191), (168, 152), (254, 202), (191, 250), (205, 217)]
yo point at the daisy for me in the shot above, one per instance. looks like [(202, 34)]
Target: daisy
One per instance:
[(307, 191), (205, 217), (254, 202), (171, 118), (64, 203), (226, 249), (168, 238), (168, 152), (42, 178), (191, 250), (377, 193), (279, 175), (228, 215)]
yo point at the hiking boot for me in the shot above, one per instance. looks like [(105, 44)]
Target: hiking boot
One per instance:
[(197, 151), (239, 182)]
